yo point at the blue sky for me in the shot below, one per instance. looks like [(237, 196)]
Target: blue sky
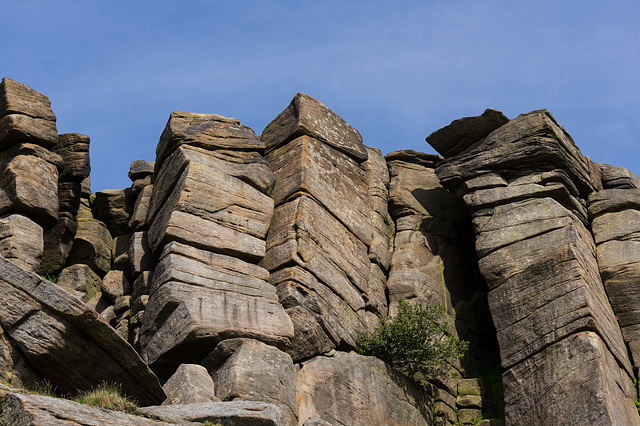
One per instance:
[(396, 71)]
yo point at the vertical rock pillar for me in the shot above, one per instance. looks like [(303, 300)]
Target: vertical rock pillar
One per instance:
[(318, 243), (525, 184), (615, 212), (28, 173), (208, 216)]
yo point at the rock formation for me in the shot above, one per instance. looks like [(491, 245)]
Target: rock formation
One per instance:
[(237, 271)]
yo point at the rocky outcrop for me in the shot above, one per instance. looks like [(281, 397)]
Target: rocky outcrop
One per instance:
[(318, 244), (66, 342), (349, 389), (208, 215), (243, 268), (525, 184), (616, 230)]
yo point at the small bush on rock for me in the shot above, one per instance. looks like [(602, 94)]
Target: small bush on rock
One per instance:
[(417, 340)]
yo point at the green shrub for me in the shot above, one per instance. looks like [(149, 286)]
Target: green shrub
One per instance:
[(417, 340)]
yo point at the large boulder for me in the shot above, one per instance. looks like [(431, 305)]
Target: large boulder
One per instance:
[(29, 185), (249, 370), (67, 342), (21, 241), (199, 298), (92, 246), (350, 389), (190, 384)]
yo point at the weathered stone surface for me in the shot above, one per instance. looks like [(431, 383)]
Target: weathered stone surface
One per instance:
[(30, 149), (18, 98), (199, 298), (237, 413), (526, 183), (138, 220), (350, 389), (80, 281), (464, 132), (140, 256), (536, 141), (120, 252), (92, 246), (19, 409), (545, 285), (617, 177), (431, 260), (314, 421), (29, 185), (111, 207), (304, 233), (190, 384), (589, 389), (57, 245), (15, 128), (21, 241), (140, 169), (137, 186), (114, 285), (308, 116), (74, 149), (307, 165), (208, 131), (616, 230), (67, 342), (142, 284), (249, 370), (377, 178), (208, 208)]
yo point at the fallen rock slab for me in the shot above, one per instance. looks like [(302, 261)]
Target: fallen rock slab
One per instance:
[(66, 341), (18, 409), (237, 413)]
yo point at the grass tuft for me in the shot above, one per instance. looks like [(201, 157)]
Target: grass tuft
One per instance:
[(109, 397)]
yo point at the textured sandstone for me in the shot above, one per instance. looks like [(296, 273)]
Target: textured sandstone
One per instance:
[(464, 132), (236, 413), (92, 246), (349, 389), (18, 98), (190, 384), (308, 116), (307, 165), (208, 131), (249, 370), (19, 409), (74, 150), (111, 207), (199, 298), (81, 281), (29, 185), (21, 241), (197, 202), (66, 341)]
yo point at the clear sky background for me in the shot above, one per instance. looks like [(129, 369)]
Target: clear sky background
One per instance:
[(396, 71)]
